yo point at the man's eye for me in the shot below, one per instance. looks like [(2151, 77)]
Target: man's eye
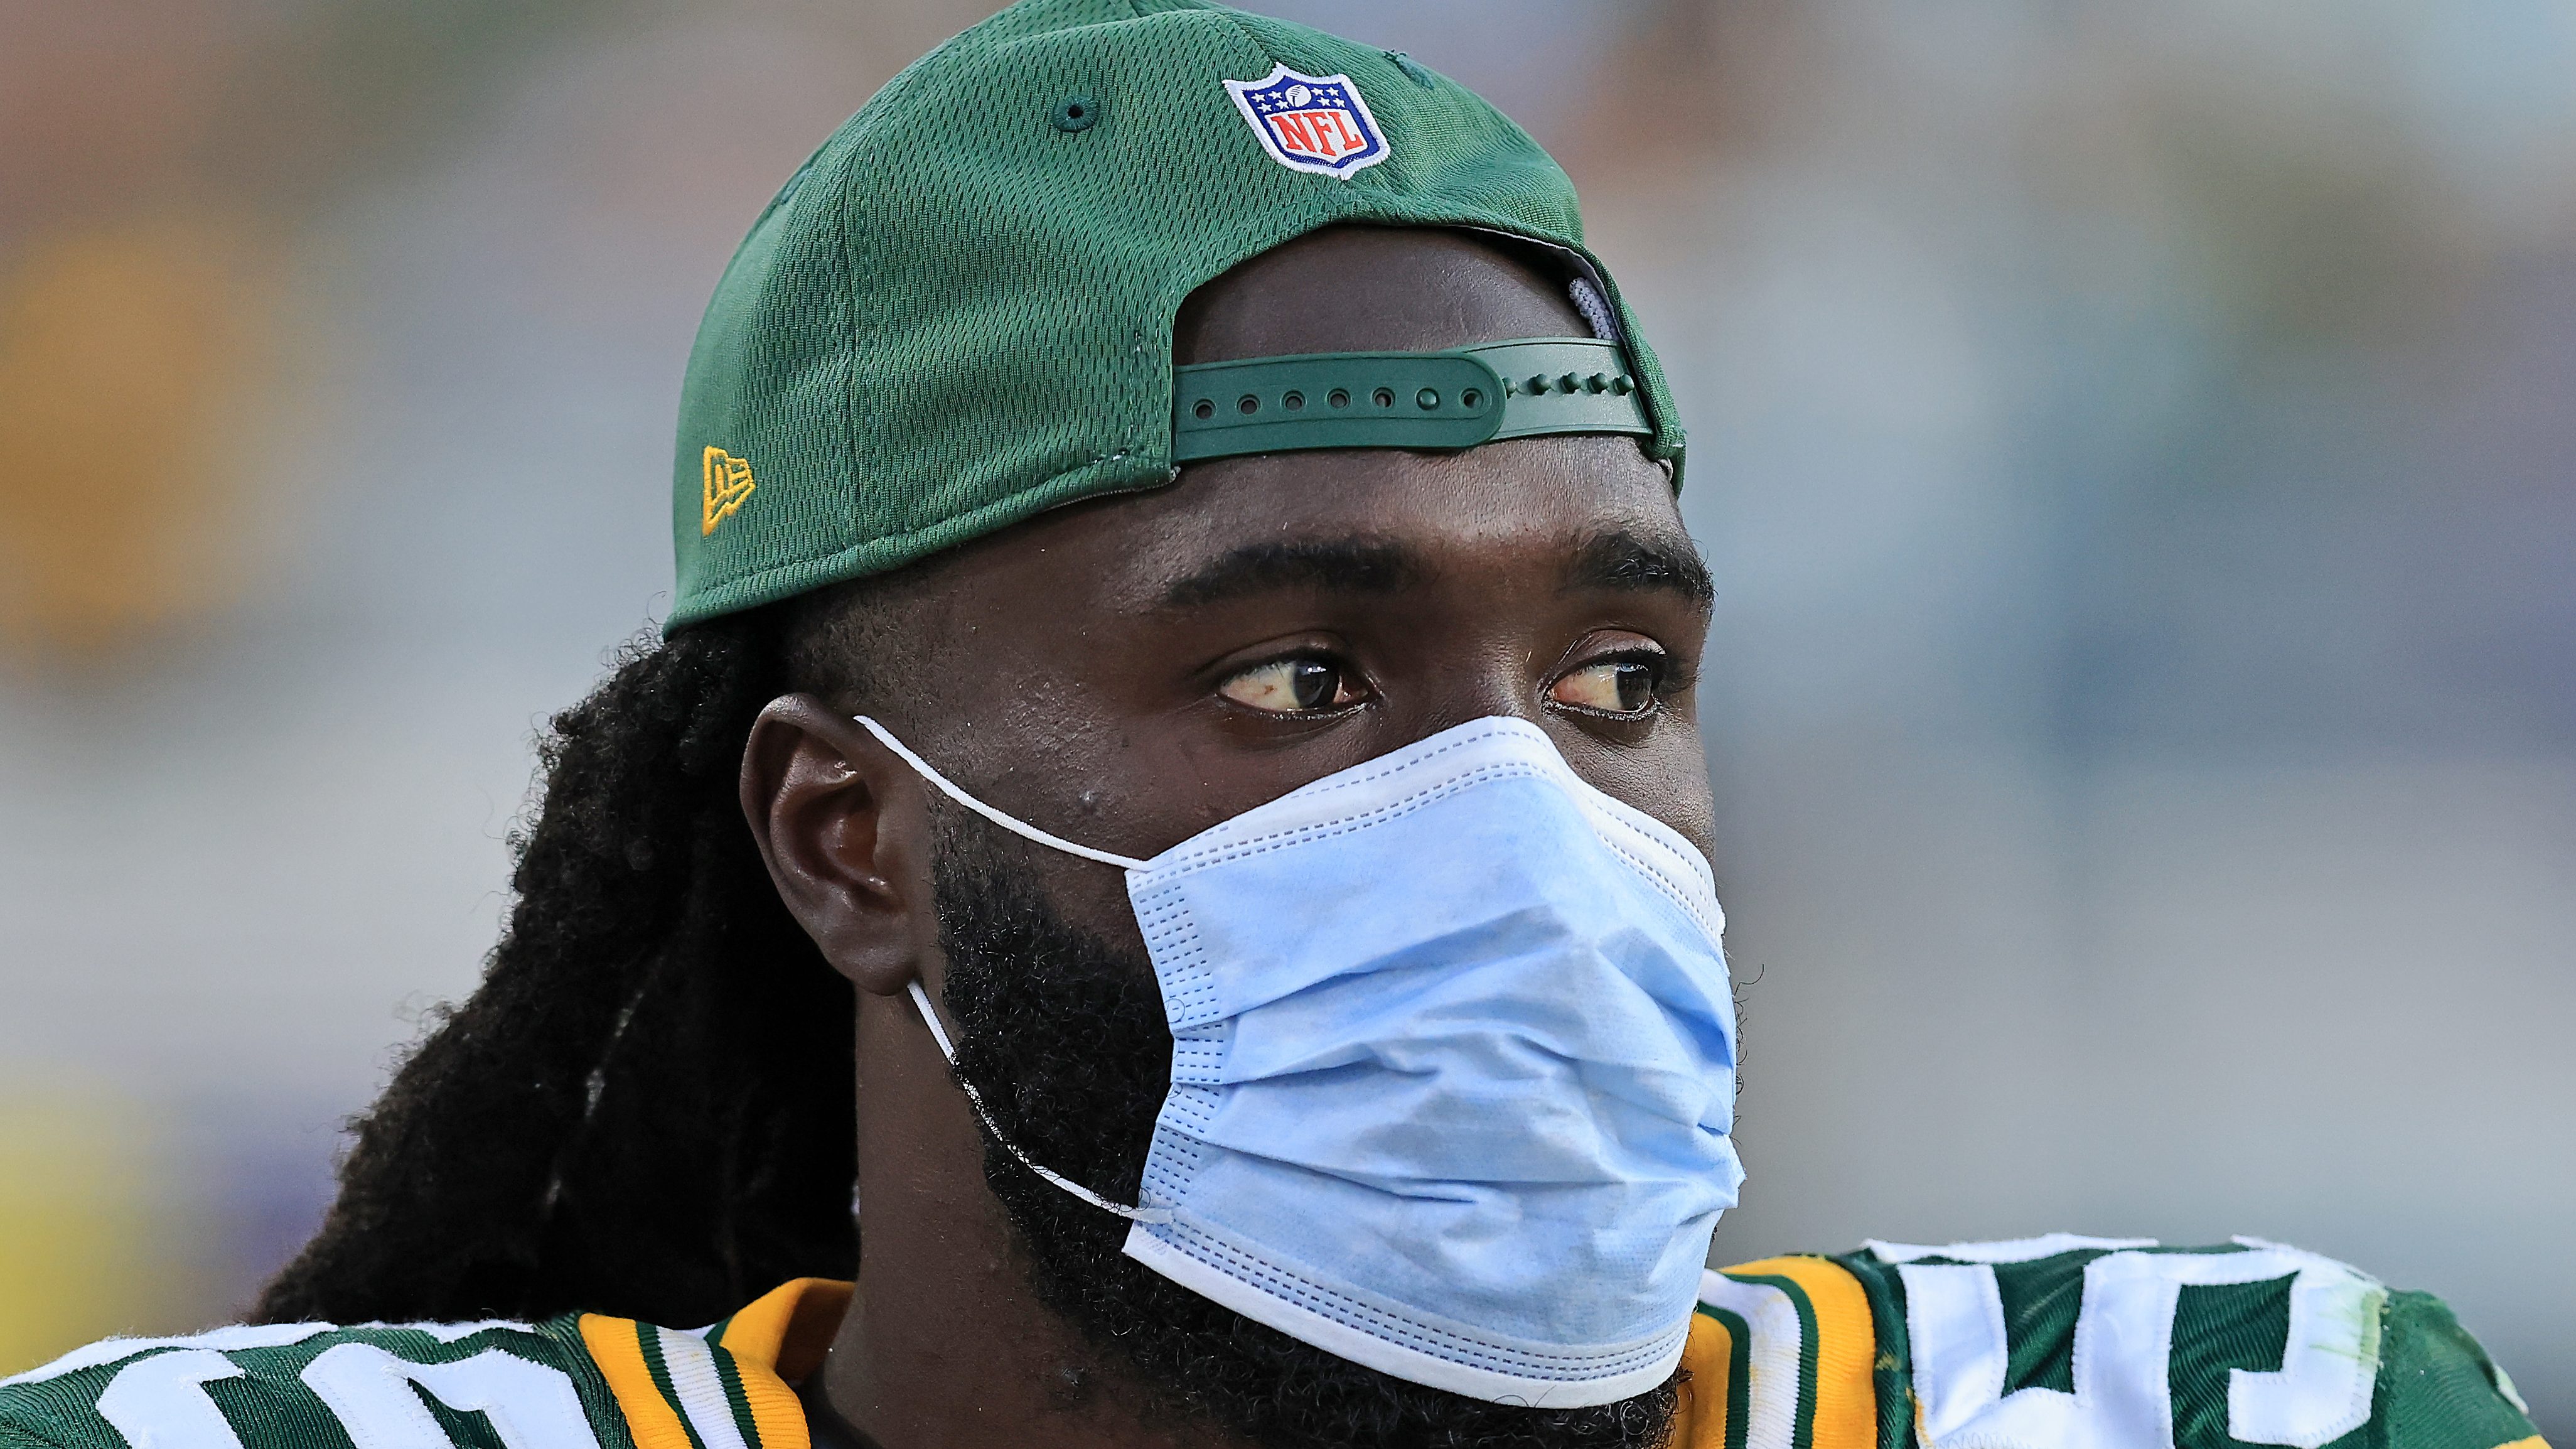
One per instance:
[(1291, 686), (1611, 686)]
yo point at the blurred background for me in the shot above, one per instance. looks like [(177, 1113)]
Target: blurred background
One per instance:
[(2134, 442)]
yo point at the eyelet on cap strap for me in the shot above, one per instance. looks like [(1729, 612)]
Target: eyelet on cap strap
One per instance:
[(1433, 401)]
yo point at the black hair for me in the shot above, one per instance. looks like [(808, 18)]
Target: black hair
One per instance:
[(647, 1106)]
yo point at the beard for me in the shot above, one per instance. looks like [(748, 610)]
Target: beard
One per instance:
[(1064, 1036)]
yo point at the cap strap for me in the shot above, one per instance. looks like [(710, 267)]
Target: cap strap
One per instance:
[(1436, 401)]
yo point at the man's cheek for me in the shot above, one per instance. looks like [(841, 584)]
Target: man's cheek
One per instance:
[(1092, 899)]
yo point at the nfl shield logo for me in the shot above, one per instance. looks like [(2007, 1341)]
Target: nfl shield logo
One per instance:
[(1311, 122)]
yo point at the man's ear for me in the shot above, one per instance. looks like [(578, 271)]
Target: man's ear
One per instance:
[(845, 830)]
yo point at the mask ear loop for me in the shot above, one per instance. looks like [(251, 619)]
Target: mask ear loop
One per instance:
[(921, 999), (921, 996), (1017, 827)]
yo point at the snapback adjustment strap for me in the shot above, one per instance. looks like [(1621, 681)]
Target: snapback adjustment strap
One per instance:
[(1432, 401)]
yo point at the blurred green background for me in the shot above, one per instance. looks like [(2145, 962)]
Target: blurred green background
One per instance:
[(2134, 442)]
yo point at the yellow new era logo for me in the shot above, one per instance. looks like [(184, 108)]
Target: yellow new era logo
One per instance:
[(728, 484)]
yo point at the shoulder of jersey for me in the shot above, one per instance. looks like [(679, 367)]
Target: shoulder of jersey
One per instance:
[(580, 1381), (2104, 1343)]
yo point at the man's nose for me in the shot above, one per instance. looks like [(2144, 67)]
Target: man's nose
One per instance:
[(1482, 679)]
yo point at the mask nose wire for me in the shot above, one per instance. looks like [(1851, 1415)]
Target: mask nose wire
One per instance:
[(930, 1018), (1010, 823)]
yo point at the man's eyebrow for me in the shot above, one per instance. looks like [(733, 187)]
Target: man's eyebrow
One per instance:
[(1623, 560), (1354, 565)]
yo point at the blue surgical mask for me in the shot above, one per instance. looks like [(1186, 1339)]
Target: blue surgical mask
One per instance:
[(1453, 1069)]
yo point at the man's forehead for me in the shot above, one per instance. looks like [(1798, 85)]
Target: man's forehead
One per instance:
[(1570, 512), (1617, 560)]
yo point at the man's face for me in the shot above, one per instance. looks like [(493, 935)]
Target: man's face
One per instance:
[(1129, 671)]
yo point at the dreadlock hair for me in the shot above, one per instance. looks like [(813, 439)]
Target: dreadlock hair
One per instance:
[(646, 1107)]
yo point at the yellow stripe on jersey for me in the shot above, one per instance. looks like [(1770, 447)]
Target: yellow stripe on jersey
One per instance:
[(620, 1355), (1708, 1358), (1846, 1414), (2534, 1442), (778, 1340), (788, 1329)]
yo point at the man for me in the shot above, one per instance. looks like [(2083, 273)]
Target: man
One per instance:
[(1182, 607)]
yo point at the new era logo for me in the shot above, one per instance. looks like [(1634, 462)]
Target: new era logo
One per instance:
[(1311, 122), (728, 484)]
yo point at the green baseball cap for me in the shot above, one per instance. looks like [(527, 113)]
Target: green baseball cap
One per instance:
[(958, 313)]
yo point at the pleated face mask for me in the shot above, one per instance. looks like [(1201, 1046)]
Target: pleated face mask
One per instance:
[(1453, 1069)]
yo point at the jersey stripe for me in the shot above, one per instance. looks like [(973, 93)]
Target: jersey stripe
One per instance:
[(779, 1419), (782, 1336), (737, 1403), (1804, 1435), (649, 1339), (1892, 1369), (1844, 1347), (615, 1345), (1715, 1390), (788, 1329), (1775, 1371), (691, 1367)]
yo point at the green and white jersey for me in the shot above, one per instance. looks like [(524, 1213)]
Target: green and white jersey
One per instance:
[(579, 1381), (2064, 1342), (2049, 1343)]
